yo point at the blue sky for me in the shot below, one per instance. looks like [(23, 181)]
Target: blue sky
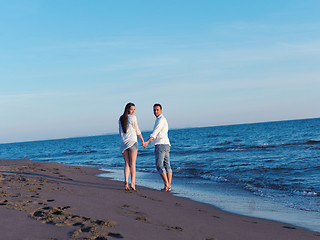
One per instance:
[(67, 68)]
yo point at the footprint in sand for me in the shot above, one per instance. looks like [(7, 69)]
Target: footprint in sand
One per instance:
[(143, 219), (87, 228), (288, 227), (65, 178), (114, 235), (179, 229), (200, 210), (250, 221), (3, 202), (139, 216), (151, 198)]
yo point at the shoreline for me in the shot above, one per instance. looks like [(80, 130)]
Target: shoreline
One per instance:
[(226, 197), (45, 200)]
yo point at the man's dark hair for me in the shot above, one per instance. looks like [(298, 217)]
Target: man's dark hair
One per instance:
[(157, 105)]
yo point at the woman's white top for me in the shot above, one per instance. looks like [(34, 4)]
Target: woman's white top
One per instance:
[(129, 138)]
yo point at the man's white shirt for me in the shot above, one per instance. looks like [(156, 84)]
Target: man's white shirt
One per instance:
[(160, 131)]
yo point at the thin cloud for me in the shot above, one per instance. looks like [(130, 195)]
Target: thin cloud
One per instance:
[(22, 97)]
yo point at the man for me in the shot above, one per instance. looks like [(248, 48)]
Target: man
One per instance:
[(159, 138)]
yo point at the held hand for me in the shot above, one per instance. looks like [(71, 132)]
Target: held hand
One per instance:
[(145, 144)]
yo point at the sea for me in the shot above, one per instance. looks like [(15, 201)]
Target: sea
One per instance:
[(267, 170)]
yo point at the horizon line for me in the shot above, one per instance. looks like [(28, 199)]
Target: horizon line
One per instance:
[(113, 133)]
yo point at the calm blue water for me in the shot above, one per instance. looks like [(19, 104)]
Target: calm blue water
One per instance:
[(269, 170)]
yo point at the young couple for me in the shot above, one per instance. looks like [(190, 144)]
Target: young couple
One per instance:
[(128, 129)]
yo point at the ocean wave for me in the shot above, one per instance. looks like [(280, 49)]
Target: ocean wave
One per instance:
[(78, 153), (275, 192), (188, 172), (255, 190), (213, 135), (147, 170), (240, 165), (199, 151), (224, 143), (197, 173), (312, 142), (141, 153), (228, 146), (214, 178), (307, 193)]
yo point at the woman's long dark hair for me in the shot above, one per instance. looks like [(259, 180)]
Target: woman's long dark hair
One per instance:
[(124, 117)]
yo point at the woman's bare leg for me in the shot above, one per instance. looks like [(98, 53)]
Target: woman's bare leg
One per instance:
[(132, 164), (126, 158)]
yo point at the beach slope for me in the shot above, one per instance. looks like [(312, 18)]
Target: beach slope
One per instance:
[(55, 201)]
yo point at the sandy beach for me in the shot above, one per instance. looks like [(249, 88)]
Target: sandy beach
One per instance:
[(56, 201)]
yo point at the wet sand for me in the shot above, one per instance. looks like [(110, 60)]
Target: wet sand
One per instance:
[(56, 201)]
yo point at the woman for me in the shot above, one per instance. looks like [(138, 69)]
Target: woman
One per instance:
[(128, 129)]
